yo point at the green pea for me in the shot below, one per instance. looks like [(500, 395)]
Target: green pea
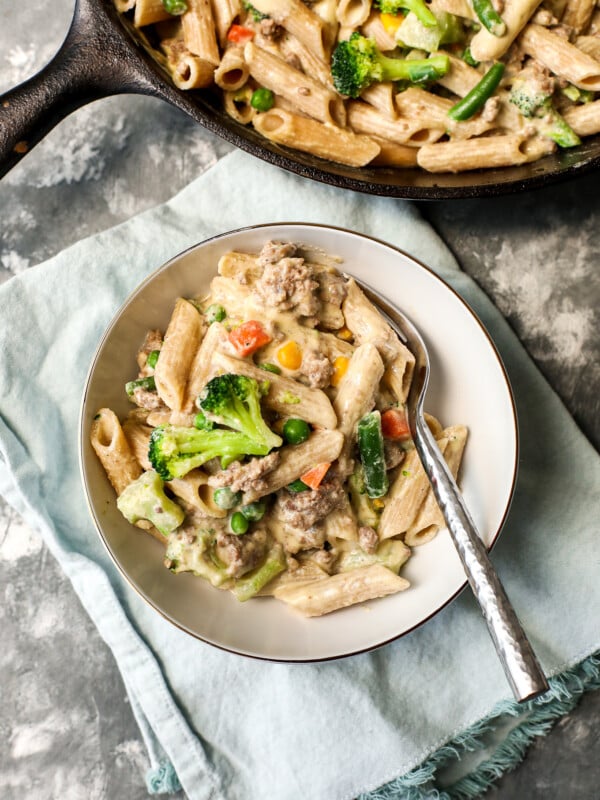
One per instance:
[(175, 7), (297, 486), (296, 431), (215, 313), (254, 511), (238, 523), (262, 99), (270, 368), (202, 423), (225, 498), (152, 358)]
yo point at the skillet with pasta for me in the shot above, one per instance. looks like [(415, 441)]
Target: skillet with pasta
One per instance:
[(445, 85)]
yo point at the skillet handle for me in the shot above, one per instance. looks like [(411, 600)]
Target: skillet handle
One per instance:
[(94, 61)]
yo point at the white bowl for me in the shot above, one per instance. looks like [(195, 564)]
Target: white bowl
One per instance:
[(468, 385)]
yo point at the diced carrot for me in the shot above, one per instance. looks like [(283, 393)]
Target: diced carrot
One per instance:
[(315, 475), (248, 337), (240, 34), (394, 424)]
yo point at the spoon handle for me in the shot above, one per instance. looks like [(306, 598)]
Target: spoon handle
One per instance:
[(516, 654)]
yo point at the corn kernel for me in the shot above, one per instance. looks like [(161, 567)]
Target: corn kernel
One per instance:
[(345, 334), (378, 503), (391, 22), (289, 355), (340, 366)]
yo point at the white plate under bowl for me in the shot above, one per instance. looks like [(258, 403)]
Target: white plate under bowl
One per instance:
[(468, 385)]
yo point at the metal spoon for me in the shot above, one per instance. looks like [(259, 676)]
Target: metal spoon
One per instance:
[(520, 664)]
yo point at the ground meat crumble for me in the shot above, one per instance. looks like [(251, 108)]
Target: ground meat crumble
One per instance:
[(247, 477), (303, 509)]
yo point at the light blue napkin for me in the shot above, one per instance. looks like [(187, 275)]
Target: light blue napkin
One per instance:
[(228, 727)]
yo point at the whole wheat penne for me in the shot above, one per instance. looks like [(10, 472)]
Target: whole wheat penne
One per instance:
[(232, 72), (495, 151), (201, 366), (199, 34), (312, 136), (364, 118), (406, 495), (323, 446), (584, 119), (577, 14), (197, 493), (355, 396), (112, 448), (304, 92), (486, 47), (352, 13), (225, 12), (181, 341), (300, 21), (338, 591), (561, 57), (148, 12), (367, 325), (429, 517)]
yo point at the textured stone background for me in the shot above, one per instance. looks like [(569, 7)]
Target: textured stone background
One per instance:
[(66, 730)]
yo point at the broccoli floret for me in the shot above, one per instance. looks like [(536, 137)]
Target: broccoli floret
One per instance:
[(145, 498), (418, 7), (234, 401), (175, 450), (229, 400), (357, 62), (534, 102)]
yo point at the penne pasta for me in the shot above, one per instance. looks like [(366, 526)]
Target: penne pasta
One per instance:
[(180, 344), (310, 136), (279, 66), (267, 453), (112, 448), (338, 591), (561, 57)]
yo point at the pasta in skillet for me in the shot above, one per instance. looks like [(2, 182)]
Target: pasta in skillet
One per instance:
[(267, 446), (445, 85)]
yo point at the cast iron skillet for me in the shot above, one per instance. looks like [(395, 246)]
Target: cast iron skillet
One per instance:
[(104, 55)]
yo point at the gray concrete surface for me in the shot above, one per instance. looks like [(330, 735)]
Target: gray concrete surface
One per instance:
[(66, 730)]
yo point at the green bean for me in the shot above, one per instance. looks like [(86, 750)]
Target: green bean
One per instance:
[(297, 486), (473, 101), (489, 17), (370, 447), (141, 383), (152, 358), (268, 367)]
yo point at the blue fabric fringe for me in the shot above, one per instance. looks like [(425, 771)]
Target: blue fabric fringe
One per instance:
[(162, 779), (537, 718)]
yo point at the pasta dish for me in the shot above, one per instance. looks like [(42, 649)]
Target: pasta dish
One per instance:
[(445, 85), (267, 446)]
